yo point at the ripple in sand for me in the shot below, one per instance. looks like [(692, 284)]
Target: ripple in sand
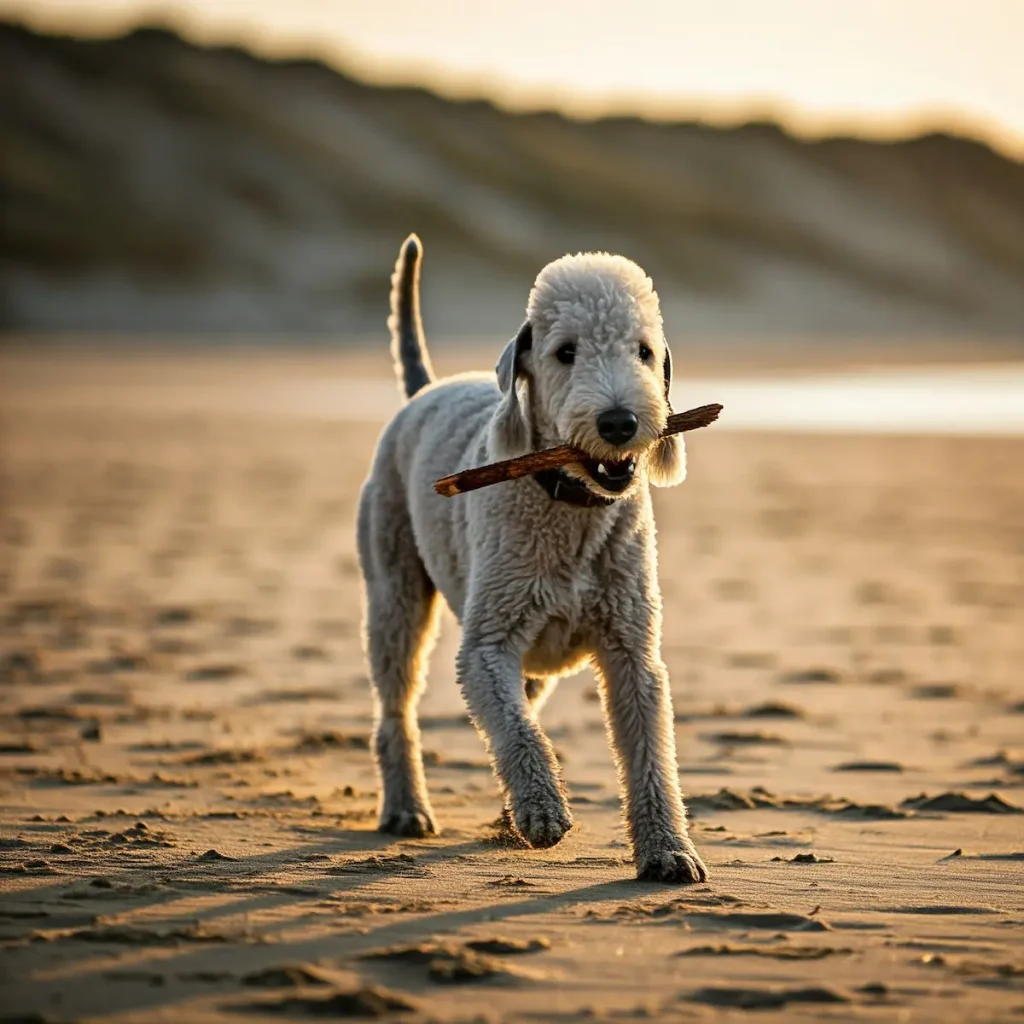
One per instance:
[(758, 797), (940, 691), (174, 616), (73, 777), (961, 803), (131, 935), (811, 675), (744, 739), (116, 663), (212, 856), (245, 626), (18, 747), (751, 659), (943, 910), (805, 858), (510, 882), (1013, 763), (781, 952), (458, 963), (466, 966), (779, 921), (51, 714), (293, 696), (331, 740), (774, 838), (220, 672), (763, 998), (286, 976), (310, 652), (960, 855), (774, 709), (694, 916), (365, 1002), (508, 947), (223, 757), (1008, 974), (31, 867), (886, 676), (402, 863), (20, 667)]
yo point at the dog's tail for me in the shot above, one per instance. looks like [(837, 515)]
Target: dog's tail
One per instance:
[(408, 346)]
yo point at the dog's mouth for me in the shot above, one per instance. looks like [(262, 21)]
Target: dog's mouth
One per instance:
[(611, 476)]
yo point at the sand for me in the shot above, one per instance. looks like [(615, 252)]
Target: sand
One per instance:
[(187, 799)]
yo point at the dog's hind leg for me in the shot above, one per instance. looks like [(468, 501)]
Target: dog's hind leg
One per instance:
[(399, 631)]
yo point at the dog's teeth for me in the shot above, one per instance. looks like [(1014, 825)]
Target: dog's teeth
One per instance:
[(632, 466), (601, 469)]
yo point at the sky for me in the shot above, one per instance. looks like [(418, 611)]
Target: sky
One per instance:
[(878, 67)]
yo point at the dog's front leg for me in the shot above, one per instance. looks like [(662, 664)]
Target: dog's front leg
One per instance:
[(491, 676), (638, 707)]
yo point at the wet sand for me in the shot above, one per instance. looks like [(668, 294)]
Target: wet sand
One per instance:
[(187, 798)]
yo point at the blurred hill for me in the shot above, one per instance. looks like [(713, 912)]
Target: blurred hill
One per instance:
[(152, 185)]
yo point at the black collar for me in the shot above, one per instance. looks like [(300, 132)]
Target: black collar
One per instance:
[(562, 487)]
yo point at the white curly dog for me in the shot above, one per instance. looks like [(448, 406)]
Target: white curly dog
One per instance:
[(546, 574)]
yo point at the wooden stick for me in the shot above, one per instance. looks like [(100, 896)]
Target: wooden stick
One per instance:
[(553, 458)]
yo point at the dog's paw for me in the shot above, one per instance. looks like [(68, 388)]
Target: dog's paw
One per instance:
[(681, 866), (410, 824), (543, 826)]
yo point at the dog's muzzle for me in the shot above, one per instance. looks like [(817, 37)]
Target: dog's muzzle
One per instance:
[(612, 476)]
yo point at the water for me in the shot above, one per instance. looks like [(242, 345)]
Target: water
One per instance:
[(985, 400), (977, 399), (936, 400)]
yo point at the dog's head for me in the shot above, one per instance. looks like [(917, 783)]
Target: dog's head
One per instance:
[(590, 367)]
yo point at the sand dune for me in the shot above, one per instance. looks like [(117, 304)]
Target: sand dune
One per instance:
[(158, 186)]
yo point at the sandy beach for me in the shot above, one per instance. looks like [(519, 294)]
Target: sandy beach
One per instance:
[(187, 798)]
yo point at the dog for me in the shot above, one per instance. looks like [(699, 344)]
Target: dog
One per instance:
[(545, 574)]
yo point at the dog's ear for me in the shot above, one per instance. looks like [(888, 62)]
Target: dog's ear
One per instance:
[(508, 365), (667, 465), (667, 371), (510, 428)]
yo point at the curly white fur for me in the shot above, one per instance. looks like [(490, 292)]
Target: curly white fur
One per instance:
[(540, 588)]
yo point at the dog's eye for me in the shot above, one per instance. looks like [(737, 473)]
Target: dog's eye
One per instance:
[(566, 353), (645, 353)]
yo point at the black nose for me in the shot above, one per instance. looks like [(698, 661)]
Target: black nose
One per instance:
[(617, 426)]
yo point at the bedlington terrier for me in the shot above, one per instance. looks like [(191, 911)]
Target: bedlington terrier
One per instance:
[(545, 574)]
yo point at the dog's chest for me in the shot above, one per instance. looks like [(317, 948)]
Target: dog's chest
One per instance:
[(561, 562), (566, 626)]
